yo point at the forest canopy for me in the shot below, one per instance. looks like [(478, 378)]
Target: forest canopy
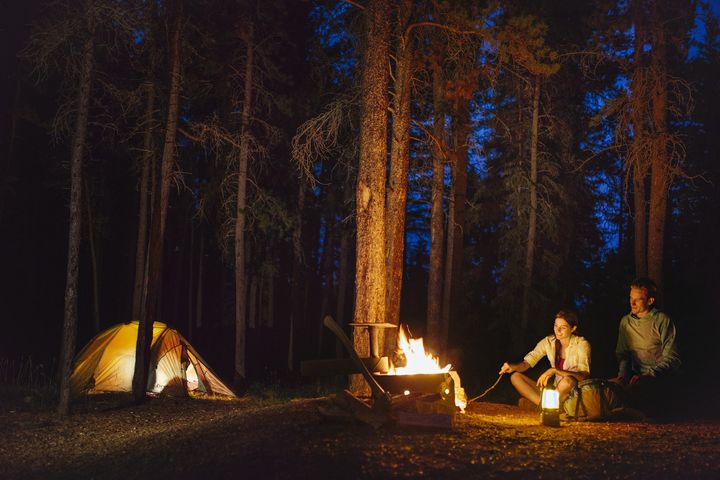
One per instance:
[(240, 169)]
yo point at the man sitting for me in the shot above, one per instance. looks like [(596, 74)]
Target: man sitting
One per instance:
[(646, 349)]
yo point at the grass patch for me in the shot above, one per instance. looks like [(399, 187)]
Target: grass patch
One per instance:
[(268, 393), (26, 386)]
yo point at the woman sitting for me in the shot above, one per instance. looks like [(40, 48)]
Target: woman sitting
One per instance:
[(569, 357)]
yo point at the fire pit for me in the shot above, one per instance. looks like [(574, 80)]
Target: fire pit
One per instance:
[(419, 393), (419, 383), (420, 373)]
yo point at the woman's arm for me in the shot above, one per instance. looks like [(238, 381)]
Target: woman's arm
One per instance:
[(514, 367)]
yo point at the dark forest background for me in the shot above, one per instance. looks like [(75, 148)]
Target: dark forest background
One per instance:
[(303, 158)]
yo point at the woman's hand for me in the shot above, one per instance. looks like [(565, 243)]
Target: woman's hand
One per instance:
[(506, 368), (543, 380)]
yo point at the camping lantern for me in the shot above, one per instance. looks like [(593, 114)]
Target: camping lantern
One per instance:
[(550, 407)]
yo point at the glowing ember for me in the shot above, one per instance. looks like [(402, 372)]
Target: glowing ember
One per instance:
[(418, 361)]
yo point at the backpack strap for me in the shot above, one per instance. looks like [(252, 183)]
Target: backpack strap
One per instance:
[(580, 404), (604, 404)]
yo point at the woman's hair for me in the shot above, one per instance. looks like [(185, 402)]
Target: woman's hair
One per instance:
[(569, 316), (572, 319)]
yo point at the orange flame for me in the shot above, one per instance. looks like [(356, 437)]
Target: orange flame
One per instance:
[(418, 360)]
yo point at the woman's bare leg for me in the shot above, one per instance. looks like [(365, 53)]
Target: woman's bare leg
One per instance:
[(564, 386), (526, 387)]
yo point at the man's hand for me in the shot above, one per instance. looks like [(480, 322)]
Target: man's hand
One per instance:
[(506, 368), (543, 380)]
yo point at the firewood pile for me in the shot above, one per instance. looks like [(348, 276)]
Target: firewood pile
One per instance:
[(414, 409)]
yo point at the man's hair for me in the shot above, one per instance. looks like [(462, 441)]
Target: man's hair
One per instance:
[(569, 316), (647, 284)]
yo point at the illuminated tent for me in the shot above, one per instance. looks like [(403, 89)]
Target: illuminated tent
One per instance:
[(107, 364)]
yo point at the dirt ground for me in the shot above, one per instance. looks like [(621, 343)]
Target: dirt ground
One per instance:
[(247, 438)]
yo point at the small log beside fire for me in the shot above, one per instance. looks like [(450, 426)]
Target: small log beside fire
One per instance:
[(419, 392)]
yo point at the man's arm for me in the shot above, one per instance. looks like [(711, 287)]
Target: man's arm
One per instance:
[(669, 360), (622, 352)]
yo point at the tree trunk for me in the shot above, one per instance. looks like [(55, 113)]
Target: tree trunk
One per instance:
[(326, 270), (200, 277), (399, 164), (660, 175), (270, 299), (532, 213), (456, 218), (243, 160), (147, 170), (640, 221), (370, 274), (437, 221), (93, 260), (637, 152), (157, 232), (179, 260), (191, 282), (70, 320), (296, 295), (343, 272), (252, 303), (6, 169)]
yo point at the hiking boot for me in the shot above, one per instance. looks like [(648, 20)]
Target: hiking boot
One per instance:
[(527, 405), (631, 414)]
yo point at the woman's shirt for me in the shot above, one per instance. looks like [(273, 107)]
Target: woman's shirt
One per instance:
[(577, 354)]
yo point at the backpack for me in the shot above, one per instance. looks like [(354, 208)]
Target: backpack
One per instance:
[(593, 400)]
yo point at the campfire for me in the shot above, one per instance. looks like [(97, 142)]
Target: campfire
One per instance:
[(416, 391), (417, 360), (422, 372)]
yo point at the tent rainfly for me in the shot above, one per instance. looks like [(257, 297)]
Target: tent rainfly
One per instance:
[(107, 364)]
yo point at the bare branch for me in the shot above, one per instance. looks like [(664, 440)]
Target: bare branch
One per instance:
[(355, 4), (318, 137)]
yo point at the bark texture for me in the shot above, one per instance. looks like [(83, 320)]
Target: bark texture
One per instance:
[(243, 160), (532, 213), (638, 164), (157, 232), (437, 218), (370, 279), (660, 176), (399, 165), (653, 146), (70, 315), (456, 218), (143, 204)]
